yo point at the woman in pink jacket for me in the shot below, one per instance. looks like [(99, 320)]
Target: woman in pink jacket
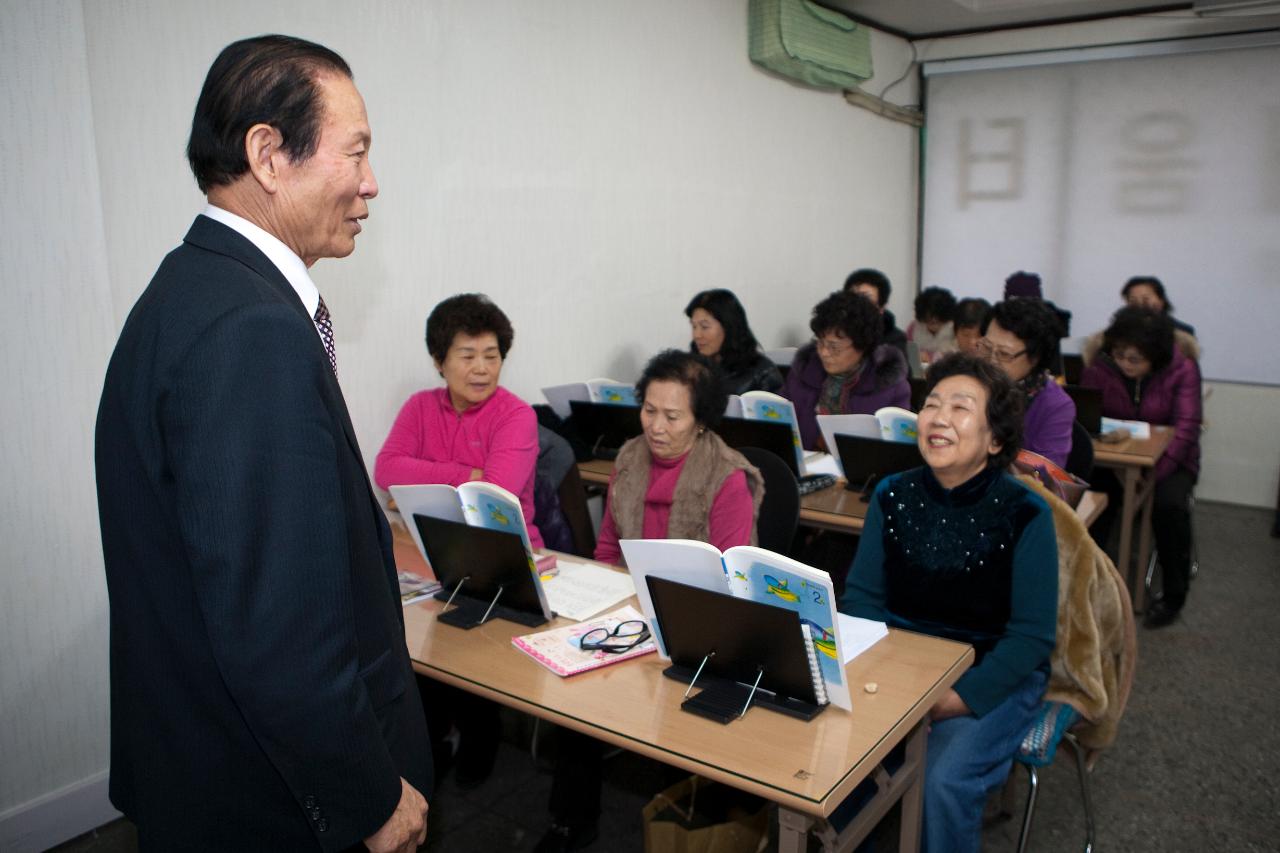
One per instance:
[(1143, 376), (472, 428)]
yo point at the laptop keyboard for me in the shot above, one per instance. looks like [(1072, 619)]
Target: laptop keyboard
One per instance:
[(815, 483)]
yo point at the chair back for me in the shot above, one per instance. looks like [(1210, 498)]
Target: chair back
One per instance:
[(780, 509), (573, 503), (1080, 459)]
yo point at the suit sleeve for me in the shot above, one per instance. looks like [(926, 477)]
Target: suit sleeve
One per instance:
[(252, 448)]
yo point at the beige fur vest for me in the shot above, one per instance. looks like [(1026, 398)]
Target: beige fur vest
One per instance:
[(709, 464)]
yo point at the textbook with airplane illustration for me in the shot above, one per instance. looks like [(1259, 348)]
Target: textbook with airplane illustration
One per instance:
[(764, 406), (887, 424), (752, 573), (477, 503), (609, 391)]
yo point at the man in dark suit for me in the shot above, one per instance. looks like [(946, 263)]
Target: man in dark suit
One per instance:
[(261, 692)]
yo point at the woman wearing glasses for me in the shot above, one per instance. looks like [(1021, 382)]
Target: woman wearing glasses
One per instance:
[(1021, 338), (1144, 376), (845, 369), (960, 549), (676, 481)]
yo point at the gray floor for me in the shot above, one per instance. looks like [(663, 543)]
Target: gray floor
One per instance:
[(1196, 766)]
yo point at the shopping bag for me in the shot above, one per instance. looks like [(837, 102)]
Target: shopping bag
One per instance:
[(699, 816)]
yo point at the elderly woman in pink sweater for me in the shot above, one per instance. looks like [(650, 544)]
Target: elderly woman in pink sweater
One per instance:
[(472, 428)]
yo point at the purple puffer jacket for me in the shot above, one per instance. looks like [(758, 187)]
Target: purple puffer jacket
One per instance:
[(1170, 397), (883, 384), (1046, 427)]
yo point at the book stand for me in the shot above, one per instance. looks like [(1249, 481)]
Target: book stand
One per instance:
[(492, 564), (741, 653)]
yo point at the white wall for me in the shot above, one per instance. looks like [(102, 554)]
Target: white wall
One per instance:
[(590, 165), (58, 332)]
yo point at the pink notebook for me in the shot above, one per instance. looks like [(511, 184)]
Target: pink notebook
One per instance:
[(558, 651)]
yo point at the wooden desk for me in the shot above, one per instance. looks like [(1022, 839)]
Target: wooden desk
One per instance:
[(1134, 461), (833, 508), (808, 769)]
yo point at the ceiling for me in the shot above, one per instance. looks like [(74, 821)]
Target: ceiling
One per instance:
[(914, 19)]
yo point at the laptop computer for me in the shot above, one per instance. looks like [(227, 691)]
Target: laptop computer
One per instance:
[(1088, 407), (486, 569), (605, 427), (767, 435), (867, 460)]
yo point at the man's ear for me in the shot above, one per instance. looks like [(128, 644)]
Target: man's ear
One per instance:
[(262, 149)]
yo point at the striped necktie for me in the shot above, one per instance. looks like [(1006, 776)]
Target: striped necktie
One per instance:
[(324, 323)]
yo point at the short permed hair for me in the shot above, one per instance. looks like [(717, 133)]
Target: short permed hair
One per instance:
[(471, 314), (740, 348), (875, 278), (936, 303), (1004, 400), (1035, 324), (972, 313), (1147, 331), (707, 398), (853, 316), (271, 80), (1152, 282)]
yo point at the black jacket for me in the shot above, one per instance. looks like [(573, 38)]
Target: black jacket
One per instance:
[(261, 691)]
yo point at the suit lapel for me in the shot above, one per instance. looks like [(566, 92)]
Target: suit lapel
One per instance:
[(215, 237)]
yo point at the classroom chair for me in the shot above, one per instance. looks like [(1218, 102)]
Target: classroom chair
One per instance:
[(780, 510), (1080, 458), (1052, 727)]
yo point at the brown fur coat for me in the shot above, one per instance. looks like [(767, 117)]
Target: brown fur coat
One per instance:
[(1096, 649)]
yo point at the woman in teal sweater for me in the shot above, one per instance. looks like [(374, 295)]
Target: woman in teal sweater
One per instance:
[(960, 549)]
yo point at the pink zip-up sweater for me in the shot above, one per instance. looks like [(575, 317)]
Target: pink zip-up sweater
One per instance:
[(432, 443), (731, 510)]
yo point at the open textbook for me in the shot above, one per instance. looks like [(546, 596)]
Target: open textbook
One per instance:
[(887, 424), (477, 503), (761, 576), (609, 391)]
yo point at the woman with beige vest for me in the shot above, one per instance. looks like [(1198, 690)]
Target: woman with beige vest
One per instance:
[(679, 480), (676, 481)]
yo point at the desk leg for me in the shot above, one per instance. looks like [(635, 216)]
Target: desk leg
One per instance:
[(913, 797), (1128, 506), (793, 831), (1144, 541)]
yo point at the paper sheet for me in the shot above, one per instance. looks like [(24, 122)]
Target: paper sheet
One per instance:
[(822, 463), (580, 591), (858, 634)]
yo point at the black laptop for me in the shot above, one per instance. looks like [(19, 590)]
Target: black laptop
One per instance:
[(867, 460), (1072, 367), (767, 435), (605, 427), (1088, 407)]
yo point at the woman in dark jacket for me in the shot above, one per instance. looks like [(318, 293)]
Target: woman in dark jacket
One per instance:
[(960, 549), (845, 369), (722, 334), (1143, 376)]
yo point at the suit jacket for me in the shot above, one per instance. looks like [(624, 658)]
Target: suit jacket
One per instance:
[(261, 692)]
